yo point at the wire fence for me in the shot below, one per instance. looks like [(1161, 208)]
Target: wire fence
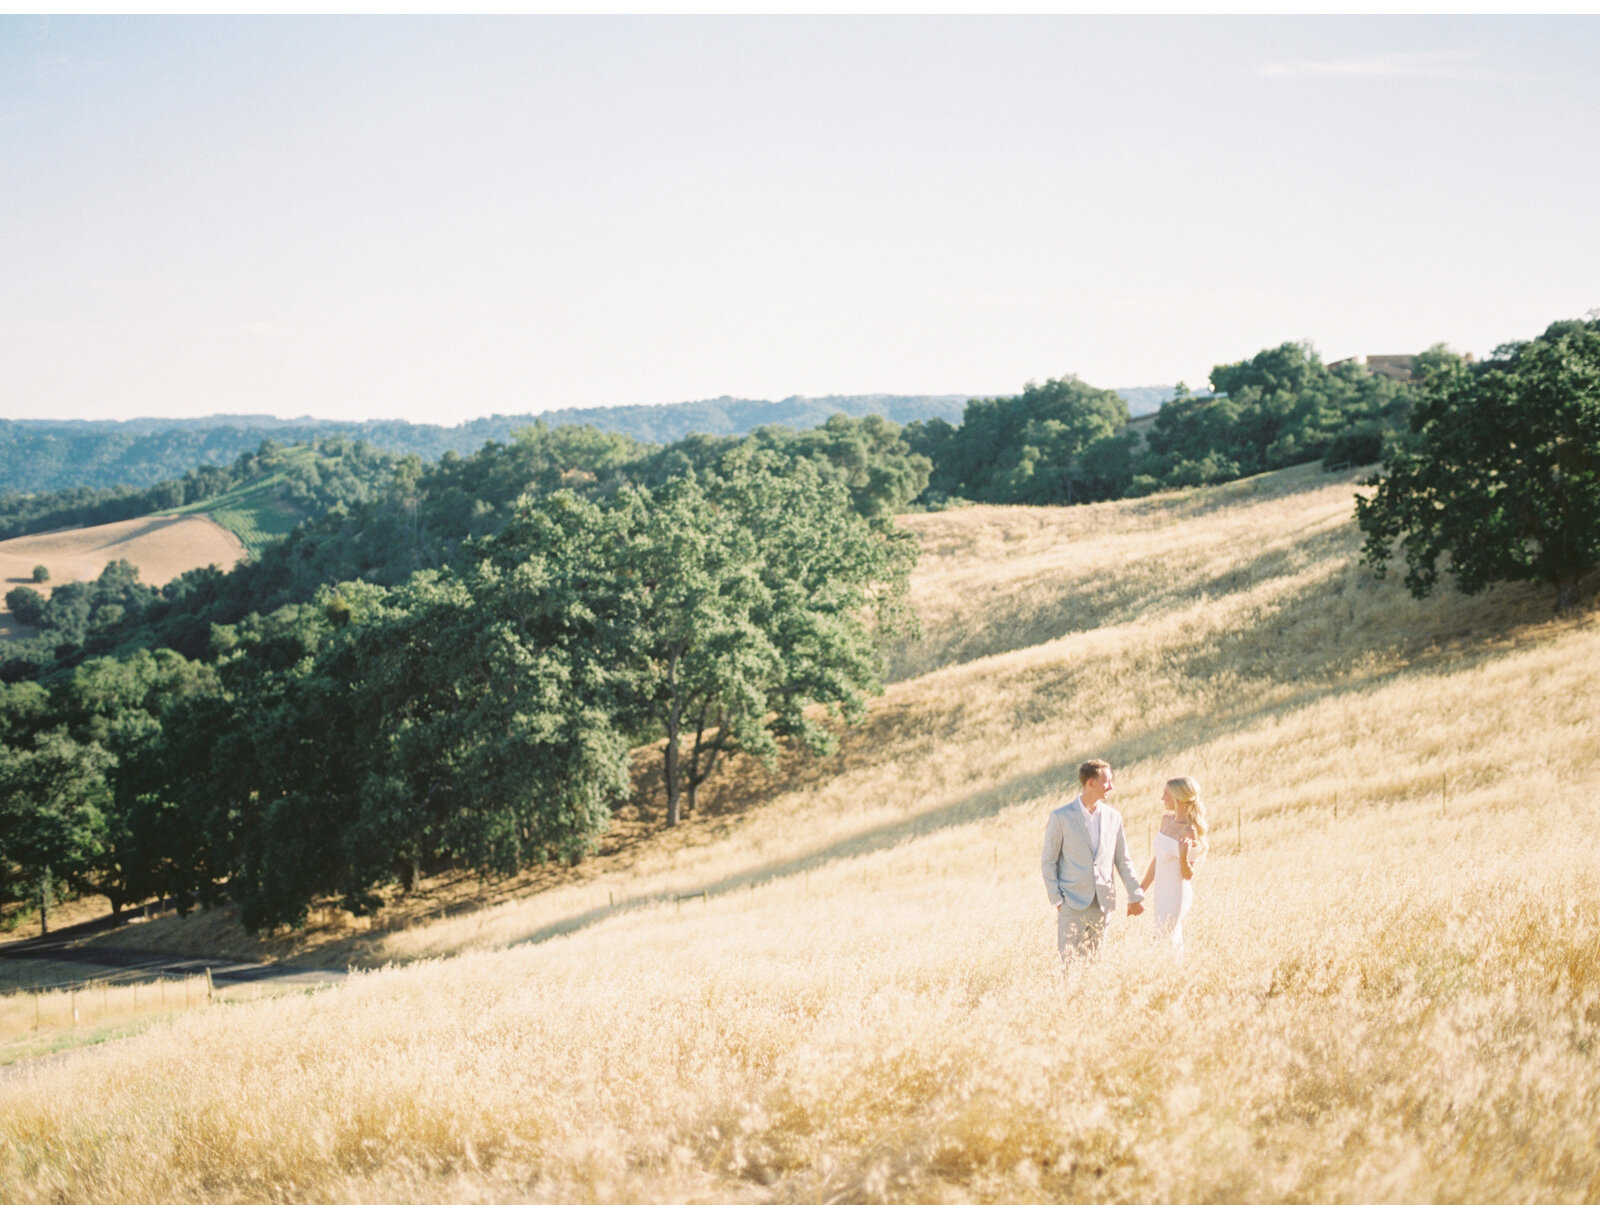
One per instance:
[(107, 997)]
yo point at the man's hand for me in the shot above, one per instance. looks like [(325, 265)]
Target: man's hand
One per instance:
[(1134, 909)]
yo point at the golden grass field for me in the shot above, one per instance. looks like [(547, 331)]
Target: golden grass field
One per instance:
[(162, 546), (1391, 990), (79, 1007)]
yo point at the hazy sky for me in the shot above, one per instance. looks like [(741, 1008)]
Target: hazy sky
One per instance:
[(434, 219)]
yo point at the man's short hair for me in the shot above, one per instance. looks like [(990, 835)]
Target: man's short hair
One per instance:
[(1091, 769)]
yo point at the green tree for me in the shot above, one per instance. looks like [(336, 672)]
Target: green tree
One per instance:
[(27, 605), (485, 728), (1281, 407), (869, 456), (1029, 448), (123, 706), (1502, 474), (734, 601), (461, 719), (53, 795)]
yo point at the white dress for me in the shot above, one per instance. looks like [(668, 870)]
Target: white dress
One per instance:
[(1170, 893)]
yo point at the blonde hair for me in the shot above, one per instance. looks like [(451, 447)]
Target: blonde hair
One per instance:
[(1190, 807)]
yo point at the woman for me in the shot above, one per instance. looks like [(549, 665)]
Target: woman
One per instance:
[(1178, 848)]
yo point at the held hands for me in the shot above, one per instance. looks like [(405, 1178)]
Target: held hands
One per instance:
[(1135, 908)]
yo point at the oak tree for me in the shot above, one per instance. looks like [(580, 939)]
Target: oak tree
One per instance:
[(1502, 477)]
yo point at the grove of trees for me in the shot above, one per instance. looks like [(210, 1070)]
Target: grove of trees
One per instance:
[(476, 714)]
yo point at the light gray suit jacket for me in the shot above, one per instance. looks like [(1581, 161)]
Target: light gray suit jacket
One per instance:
[(1073, 872)]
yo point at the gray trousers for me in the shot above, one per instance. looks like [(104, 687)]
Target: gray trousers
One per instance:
[(1080, 930)]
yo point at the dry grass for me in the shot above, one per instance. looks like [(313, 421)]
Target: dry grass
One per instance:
[(1392, 990), (80, 1008), (162, 546)]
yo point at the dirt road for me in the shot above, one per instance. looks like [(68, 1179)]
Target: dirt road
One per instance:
[(63, 948)]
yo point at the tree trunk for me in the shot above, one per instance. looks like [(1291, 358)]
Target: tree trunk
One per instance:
[(1566, 593), (672, 777), (699, 773), (44, 902), (674, 724), (692, 787)]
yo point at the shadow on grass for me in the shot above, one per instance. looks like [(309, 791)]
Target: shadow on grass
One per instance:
[(1291, 660), (1170, 741)]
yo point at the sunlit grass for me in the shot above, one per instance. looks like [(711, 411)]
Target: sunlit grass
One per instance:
[(1391, 989), (49, 1007)]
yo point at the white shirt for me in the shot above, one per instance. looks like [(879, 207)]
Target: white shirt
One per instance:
[(1094, 829)]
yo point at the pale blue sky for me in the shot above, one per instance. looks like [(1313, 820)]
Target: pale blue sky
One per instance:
[(434, 219)]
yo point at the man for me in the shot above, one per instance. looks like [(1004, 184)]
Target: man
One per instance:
[(1082, 843)]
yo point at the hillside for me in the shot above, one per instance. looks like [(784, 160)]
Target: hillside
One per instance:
[(160, 546), (838, 981), (39, 456), (254, 512)]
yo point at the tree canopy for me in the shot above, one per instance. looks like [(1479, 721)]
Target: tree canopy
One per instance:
[(1501, 479), (1044, 446), (1281, 407), (734, 600), (480, 715)]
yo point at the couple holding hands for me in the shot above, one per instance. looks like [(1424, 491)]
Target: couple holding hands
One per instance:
[(1084, 841)]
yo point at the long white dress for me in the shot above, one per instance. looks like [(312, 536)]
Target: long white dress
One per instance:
[(1171, 893)]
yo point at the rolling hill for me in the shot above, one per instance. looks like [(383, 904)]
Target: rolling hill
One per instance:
[(838, 980), (38, 456), (160, 546), (228, 527), (253, 512)]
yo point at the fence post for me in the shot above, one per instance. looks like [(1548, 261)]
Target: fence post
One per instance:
[(211, 991)]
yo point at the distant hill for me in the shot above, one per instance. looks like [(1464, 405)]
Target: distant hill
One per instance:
[(262, 509), (260, 495), (40, 455), (160, 547), (43, 455), (1145, 399)]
